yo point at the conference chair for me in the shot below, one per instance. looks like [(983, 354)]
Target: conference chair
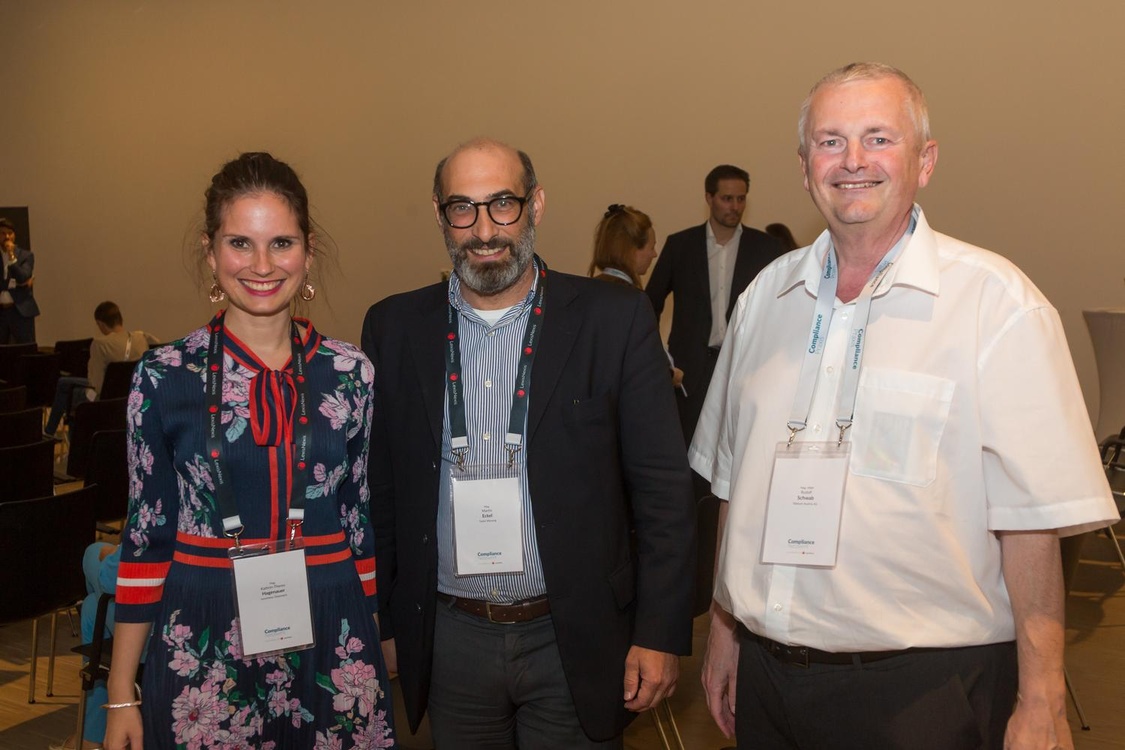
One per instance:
[(107, 472), (12, 398), (74, 356), (10, 355), (90, 418), (39, 373), (43, 539), (27, 471), (1113, 458), (21, 427), (118, 378)]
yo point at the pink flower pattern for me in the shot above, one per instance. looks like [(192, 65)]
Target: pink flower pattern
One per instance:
[(327, 481), (355, 691), (335, 406), (197, 714)]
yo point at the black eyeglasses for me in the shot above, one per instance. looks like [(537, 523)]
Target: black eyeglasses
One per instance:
[(462, 213)]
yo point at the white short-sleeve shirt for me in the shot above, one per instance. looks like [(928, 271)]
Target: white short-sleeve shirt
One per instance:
[(969, 420)]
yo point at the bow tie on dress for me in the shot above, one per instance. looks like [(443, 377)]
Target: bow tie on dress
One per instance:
[(273, 404)]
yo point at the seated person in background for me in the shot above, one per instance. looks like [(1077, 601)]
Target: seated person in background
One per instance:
[(624, 248), (99, 564), (113, 344)]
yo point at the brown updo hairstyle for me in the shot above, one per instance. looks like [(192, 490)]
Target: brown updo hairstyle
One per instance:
[(256, 173), (622, 231)]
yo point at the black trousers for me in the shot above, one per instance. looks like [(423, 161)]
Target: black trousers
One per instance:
[(15, 328), (941, 699)]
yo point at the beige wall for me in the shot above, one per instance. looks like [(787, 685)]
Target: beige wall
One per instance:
[(117, 113)]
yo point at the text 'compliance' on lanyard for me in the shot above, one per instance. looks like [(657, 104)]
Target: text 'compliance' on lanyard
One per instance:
[(302, 435), (458, 432), (818, 336)]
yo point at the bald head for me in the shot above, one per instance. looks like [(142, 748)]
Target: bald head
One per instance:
[(483, 144)]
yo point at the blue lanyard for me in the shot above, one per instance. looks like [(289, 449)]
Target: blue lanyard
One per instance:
[(818, 336)]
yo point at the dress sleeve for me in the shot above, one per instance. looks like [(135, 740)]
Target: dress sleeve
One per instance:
[(354, 494), (148, 539)]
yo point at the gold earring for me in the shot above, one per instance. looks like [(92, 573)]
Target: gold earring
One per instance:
[(216, 294), (308, 291)]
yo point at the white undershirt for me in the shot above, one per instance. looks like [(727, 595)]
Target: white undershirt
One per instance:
[(492, 317), (720, 276)]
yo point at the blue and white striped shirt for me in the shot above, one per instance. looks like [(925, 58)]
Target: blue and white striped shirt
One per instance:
[(489, 361)]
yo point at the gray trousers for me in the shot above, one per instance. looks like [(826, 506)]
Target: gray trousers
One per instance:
[(501, 687)]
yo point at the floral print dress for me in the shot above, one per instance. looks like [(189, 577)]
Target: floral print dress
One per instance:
[(198, 691)]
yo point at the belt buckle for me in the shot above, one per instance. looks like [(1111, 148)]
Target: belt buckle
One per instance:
[(798, 656), (488, 614)]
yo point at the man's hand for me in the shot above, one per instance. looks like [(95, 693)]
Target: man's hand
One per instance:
[(650, 677), (720, 669), (1038, 725)]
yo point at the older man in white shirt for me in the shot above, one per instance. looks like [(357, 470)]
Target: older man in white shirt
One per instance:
[(902, 441)]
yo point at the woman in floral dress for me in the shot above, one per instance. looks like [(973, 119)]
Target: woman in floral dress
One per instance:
[(175, 581)]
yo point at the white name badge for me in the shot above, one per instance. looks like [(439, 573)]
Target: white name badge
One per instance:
[(271, 596), (806, 502), (487, 520)]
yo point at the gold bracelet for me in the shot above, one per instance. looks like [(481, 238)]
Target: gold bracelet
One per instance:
[(130, 704)]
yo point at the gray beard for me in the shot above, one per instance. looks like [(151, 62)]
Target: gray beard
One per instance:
[(492, 278)]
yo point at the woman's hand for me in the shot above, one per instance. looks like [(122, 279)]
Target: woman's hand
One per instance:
[(123, 729)]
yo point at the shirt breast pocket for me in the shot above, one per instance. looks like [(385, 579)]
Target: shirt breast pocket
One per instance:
[(899, 420)]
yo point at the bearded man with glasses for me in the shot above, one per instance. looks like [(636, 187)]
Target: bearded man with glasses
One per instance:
[(531, 500)]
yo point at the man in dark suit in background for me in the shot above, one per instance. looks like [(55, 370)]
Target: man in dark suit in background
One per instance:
[(523, 418), (705, 269), (17, 305)]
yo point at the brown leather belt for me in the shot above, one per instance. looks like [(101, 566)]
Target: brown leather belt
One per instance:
[(504, 614), (803, 656)]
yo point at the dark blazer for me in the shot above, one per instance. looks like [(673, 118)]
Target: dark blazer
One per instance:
[(605, 456), (22, 271), (681, 270)]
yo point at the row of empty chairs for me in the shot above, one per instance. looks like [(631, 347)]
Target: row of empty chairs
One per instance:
[(43, 539), (42, 534)]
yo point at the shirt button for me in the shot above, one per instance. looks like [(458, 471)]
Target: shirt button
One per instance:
[(842, 317), (487, 435), (425, 539), (777, 608), (495, 593), (488, 384), (830, 369)]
